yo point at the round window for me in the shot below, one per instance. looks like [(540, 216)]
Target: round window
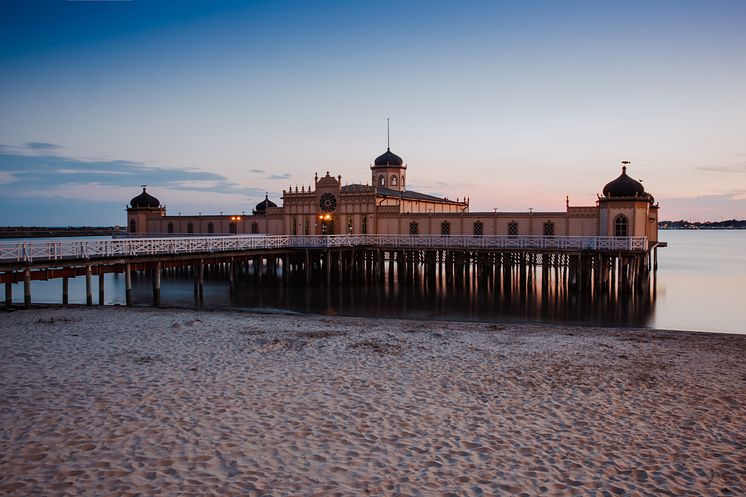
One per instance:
[(328, 202)]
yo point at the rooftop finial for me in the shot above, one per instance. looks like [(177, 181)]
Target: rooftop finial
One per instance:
[(624, 167), (388, 134), (143, 188)]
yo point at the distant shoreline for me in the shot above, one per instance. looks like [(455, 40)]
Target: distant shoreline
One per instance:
[(43, 232), (730, 224)]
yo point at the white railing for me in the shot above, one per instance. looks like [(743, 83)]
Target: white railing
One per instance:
[(27, 251)]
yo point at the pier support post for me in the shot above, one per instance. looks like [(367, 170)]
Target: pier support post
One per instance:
[(8, 290), (100, 286), (65, 290), (88, 285), (157, 284), (27, 287), (128, 284), (307, 267)]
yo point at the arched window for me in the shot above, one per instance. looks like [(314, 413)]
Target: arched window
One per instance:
[(478, 228), (170, 227), (512, 228), (349, 224), (620, 225), (364, 227), (190, 228), (549, 228), (295, 226), (305, 227), (210, 228), (255, 227), (414, 228), (445, 228), (393, 180), (133, 226), (382, 180), (233, 228)]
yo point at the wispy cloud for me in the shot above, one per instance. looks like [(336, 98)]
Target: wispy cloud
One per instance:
[(258, 171), (279, 176), (729, 169), (28, 180), (42, 146)]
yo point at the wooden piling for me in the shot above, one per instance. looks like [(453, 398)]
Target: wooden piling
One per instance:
[(100, 286), (8, 290), (128, 284), (65, 290), (27, 287), (88, 286), (157, 284)]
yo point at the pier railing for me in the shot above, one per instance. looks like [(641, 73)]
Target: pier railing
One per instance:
[(28, 251)]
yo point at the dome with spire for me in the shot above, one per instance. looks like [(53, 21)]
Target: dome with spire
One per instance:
[(625, 187), (261, 207), (388, 158), (145, 201)]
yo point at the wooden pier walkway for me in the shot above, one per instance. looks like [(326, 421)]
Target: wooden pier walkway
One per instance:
[(586, 262)]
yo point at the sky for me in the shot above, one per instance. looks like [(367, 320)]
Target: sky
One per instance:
[(513, 104)]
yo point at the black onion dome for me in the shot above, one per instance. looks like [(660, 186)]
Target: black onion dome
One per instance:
[(624, 186), (388, 158), (262, 206), (145, 201)]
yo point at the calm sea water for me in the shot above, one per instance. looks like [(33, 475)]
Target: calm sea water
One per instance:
[(700, 285)]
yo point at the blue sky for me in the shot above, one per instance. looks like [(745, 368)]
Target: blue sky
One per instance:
[(514, 104)]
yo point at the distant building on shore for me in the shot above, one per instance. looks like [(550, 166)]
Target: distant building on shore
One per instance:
[(387, 207)]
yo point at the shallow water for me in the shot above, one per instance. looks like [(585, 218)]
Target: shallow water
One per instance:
[(700, 285)]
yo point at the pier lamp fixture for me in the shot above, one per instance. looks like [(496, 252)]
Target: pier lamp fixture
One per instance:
[(495, 210), (531, 210)]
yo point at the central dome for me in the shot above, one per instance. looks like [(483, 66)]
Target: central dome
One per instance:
[(388, 158)]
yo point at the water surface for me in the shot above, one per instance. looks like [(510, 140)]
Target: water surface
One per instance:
[(700, 285)]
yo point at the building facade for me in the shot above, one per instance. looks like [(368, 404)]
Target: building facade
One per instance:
[(387, 207)]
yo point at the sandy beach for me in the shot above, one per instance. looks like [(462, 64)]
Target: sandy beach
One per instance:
[(116, 401)]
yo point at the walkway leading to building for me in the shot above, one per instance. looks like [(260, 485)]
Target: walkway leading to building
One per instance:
[(37, 251)]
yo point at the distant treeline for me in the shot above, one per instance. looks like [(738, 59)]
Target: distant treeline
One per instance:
[(731, 224), (38, 231)]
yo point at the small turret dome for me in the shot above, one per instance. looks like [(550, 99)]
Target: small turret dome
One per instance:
[(261, 207), (145, 201), (388, 158), (624, 186)]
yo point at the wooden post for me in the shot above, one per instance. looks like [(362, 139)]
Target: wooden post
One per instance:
[(307, 268), (65, 290), (88, 285), (231, 277), (100, 286), (157, 284), (27, 287), (8, 289), (327, 268), (128, 284), (201, 280)]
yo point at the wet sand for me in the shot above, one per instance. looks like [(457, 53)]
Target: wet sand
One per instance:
[(114, 401)]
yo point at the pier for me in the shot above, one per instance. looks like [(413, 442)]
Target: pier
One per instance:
[(507, 263)]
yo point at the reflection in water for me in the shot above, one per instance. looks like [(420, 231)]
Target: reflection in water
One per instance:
[(479, 299)]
